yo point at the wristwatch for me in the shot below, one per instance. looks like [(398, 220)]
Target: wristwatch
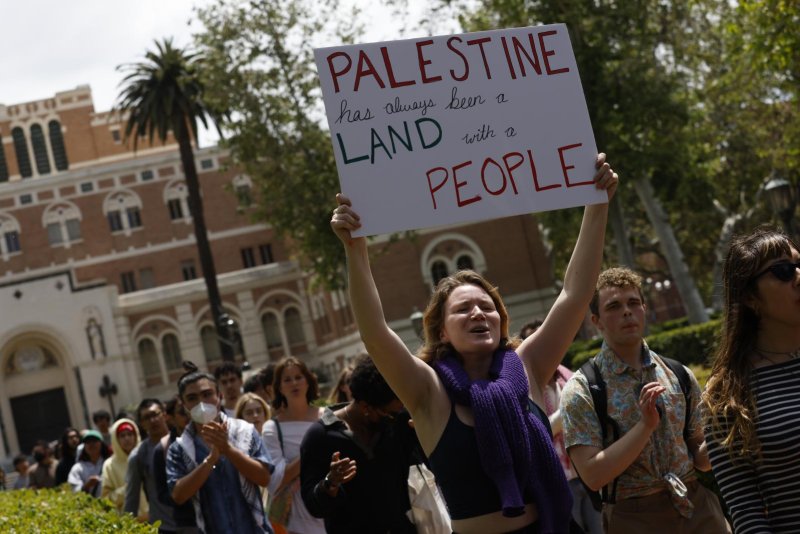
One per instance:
[(328, 484)]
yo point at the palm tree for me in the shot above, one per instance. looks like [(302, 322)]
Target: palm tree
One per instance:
[(164, 93)]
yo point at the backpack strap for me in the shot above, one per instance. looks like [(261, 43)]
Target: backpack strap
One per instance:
[(280, 434), (597, 388), (686, 386)]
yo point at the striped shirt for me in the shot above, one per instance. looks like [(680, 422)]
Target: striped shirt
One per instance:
[(763, 495)]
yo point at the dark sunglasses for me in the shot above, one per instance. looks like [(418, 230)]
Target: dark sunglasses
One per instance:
[(783, 271)]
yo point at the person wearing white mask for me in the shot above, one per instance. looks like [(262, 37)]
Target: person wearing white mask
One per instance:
[(218, 462)]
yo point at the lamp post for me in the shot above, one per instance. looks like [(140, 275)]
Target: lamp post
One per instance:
[(416, 322), (108, 389), (233, 339), (782, 199)]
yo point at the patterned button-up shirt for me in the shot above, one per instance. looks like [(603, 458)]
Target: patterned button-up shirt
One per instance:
[(666, 451)]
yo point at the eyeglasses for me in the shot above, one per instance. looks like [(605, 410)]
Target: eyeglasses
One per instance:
[(783, 271)]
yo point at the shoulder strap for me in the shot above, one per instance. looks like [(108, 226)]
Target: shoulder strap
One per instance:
[(686, 386), (280, 434), (597, 388)]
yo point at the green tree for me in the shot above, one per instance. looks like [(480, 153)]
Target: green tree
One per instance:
[(164, 94), (630, 56), (259, 66)]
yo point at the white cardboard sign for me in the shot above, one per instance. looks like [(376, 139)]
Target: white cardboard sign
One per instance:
[(459, 128)]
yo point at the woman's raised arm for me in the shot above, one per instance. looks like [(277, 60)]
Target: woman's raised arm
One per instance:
[(409, 377), (542, 351)]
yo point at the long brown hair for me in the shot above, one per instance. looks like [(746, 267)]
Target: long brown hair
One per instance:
[(313, 385), (433, 318), (729, 394)]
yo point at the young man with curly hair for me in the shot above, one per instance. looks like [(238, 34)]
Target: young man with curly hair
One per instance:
[(650, 467)]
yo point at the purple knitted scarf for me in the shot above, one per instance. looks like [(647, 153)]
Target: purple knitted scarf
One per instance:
[(515, 447)]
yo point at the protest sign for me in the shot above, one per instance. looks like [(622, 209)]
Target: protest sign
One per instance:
[(459, 128)]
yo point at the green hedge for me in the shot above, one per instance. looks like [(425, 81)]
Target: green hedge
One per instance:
[(57, 511), (692, 344)]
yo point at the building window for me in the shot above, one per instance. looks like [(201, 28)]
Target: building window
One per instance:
[(147, 175), (3, 165), (57, 145), (116, 136), (123, 211), (438, 271), (21, 150), (206, 164), (248, 258), (147, 278), (151, 367), (272, 334), (27, 198), (9, 236), (266, 253), (73, 229), (175, 209), (176, 197), (134, 217), (208, 336), (188, 271), (87, 187), (12, 242), (464, 262), (62, 221), (114, 221), (54, 235), (294, 327), (40, 150), (128, 282), (171, 350), (243, 186)]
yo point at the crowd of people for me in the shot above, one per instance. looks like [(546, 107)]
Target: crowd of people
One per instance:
[(517, 442)]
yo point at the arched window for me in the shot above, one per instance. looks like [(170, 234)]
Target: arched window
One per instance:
[(9, 236), (123, 211), (3, 165), (448, 253), (176, 197), (40, 150), (465, 262), (63, 223), (171, 350), (243, 187), (438, 271), (272, 333), (21, 150), (208, 336), (150, 365), (294, 327), (57, 145)]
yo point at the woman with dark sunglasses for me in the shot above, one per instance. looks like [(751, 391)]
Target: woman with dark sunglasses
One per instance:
[(753, 394)]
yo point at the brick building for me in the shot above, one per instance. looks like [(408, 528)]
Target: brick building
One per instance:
[(99, 274)]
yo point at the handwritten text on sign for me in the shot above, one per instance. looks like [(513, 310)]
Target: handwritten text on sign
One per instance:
[(459, 128)]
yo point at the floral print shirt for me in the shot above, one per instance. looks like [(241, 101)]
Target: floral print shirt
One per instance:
[(666, 451)]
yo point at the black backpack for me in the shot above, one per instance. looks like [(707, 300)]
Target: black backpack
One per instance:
[(597, 388)]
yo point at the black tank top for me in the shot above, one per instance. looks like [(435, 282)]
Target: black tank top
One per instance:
[(455, 461)]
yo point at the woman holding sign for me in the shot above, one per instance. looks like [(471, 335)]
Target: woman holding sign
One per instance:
[(469, 392)]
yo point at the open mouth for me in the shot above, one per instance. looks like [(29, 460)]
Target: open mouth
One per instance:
[(482, 329)]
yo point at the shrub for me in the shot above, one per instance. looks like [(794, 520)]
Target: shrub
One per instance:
[(60, 511), (692, 344)]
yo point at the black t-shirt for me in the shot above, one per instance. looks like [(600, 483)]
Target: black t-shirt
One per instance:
[(376, 500)]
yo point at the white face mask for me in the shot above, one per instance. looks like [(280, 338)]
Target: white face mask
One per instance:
[(203, 413)]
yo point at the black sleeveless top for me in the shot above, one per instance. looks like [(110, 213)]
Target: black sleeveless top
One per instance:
[(455, 461)]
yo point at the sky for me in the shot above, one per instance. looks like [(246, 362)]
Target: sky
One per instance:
[(50, 46)]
